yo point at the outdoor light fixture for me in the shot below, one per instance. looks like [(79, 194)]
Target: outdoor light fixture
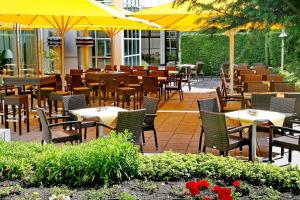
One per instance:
[(8, 55), (282, 36)]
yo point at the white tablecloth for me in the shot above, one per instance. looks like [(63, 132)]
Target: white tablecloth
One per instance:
[(105, 114), (261, 116)]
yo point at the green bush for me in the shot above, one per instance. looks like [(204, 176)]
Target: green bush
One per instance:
[(98, 162), (172, 166)]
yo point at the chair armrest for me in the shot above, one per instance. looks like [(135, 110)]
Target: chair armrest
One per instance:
[(238, 129), (151, 115), (291, 131), (65, 123), (58, 117), (104, 125)]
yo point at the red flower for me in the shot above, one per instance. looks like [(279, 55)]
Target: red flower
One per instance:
[(193, 188), (194, 191), (206, 198), (216, 188), (224, 192), (236, 184), (226, 197), (203, 183)]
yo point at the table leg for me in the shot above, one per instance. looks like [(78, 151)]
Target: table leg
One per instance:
[(39, 96), (101, 131), (253, 142)]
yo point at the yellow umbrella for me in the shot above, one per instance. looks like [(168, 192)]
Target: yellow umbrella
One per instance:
[(181, 18), (60, 14)]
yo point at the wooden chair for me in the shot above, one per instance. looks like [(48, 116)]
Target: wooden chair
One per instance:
[(256, 87), (225, 98), (273, 77), (151, 86), (244, 71), (262, 71), (251, 78), (138, 67), (109, 67), (76, 71), (171, 68), (241, 66), (152, 67), (140, 72), (282, 87), (177, 86)]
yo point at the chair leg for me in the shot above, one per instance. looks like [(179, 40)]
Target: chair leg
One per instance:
[(222, 153), (200, 141), (270, 152), (20, 119), (290, 156), (282, 152), (204, 149), (14, 115), (155, 138), (85, 131), (27, 117), (241, 135), (141, 148), (143, 135)]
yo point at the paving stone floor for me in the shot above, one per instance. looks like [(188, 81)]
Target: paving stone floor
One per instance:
[(178, 126)]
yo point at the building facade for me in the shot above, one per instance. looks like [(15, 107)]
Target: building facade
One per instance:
[(132, 47)]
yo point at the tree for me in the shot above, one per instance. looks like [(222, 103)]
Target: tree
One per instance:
[(236, 13)]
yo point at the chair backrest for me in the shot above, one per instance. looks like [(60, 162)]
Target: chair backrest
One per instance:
[(109, 84), (132, 79), (295, 95), (256, 87), (200, 67), (262, 71), (215, 129), (157, 73), (76, 81), (251, 77), (153, 67), (283, 105), (131, 121), (46, 131), (282, 87), (150, 84), (108, 67), (140, 72), (273, 77), (244, 71), (261, 101), (122, 67), (170, 68), (179, 78), (138, 67), (150, 104), (76, 71), (73, 102), (209, 105)]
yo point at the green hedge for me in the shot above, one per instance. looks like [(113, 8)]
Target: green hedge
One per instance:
[(98, 162), (254, 47), (172, 166)]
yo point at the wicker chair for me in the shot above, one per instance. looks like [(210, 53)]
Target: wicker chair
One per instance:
[(297, 103), (261, 101), (217, 135), (199, 70), (283, 105), (186, 78), (150, 105), (73, 102), (128, 120), (209, 105), (47, 135), (287, 140)]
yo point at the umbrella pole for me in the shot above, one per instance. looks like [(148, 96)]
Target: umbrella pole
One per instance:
[(231, 59), (112, 50), (62, 60)]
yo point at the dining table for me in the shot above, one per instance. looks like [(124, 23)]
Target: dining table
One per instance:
[(255, 117), (105, 114), (34, 80)]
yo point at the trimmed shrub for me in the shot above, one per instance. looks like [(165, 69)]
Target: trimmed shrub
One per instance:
[(172, 167), (98, 162)]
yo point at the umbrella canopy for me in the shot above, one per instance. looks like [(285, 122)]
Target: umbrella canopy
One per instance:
[(62, 15), (184, 19)]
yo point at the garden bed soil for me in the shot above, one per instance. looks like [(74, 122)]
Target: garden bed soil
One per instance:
[(139, 189)]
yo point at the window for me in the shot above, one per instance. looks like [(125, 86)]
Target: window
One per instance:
[(101, 53), (171, 45), (151, 47), (132, 51)]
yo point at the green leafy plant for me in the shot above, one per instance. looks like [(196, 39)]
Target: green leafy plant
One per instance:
[(103, 193), (126, 196), (10, 190)]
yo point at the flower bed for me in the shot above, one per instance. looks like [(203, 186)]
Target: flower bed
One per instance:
[(115, 160)]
